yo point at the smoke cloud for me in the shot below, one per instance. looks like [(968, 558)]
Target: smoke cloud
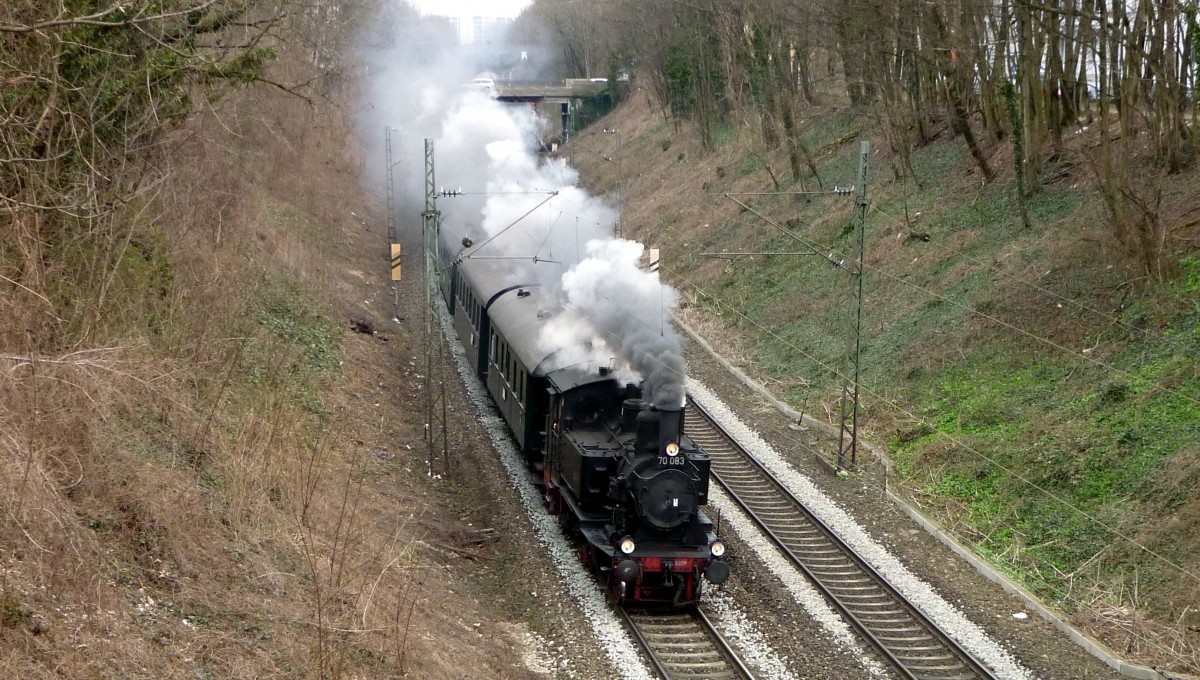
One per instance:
[(524, 210)]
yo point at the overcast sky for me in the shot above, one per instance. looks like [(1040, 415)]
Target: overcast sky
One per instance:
[(470, 8)]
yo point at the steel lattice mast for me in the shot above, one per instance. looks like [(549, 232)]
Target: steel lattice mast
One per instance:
[(435, 344), (848, 440)]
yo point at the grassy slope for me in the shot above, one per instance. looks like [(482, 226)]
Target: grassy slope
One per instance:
[(1035, 396), (221, 480)]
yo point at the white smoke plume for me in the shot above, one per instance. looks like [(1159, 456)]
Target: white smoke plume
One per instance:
[(526, 211), (630, 307)]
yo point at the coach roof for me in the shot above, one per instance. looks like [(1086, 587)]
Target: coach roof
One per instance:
[(519, 310)]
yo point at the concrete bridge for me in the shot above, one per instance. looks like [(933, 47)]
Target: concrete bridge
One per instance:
[(571, 88), (553, 102)]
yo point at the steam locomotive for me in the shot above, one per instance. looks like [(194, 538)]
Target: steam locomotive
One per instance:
[(620, 474)]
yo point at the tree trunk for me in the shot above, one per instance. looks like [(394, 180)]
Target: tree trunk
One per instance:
[(953, 75)]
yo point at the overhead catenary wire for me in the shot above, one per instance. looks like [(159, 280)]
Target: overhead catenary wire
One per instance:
[(896, 221), (835, 191), (818, 248), (967, 447), (552, 194), (466, 255), (795, 237), (731, 254)]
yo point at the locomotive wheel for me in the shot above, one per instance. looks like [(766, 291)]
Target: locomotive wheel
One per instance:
[(567, 522), (614, 591), (553, 502)]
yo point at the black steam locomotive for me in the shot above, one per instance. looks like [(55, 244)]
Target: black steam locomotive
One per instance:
[(620, 474)]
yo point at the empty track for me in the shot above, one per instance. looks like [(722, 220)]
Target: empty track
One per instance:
[(683, 645), (909, 641)]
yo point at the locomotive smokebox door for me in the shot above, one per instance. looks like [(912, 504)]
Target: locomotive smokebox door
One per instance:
[(666, 499)]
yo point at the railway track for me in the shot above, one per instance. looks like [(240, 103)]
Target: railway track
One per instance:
[(683, 645), (906, 638)]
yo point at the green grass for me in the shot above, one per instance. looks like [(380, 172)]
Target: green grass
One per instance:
[(289, 315), (1190, 270), (299, 345), (1042, 455), (1016, 435), (722, 133), (749, 164), (294, 220), (933, 161)]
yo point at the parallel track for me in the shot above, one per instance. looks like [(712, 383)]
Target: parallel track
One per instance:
[(913, 644), (683, 645)]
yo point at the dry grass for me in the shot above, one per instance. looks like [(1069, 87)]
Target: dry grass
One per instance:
[(1130, 630), (189, 488)]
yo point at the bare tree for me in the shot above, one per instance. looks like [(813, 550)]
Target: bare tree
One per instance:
[(1024, 71), (86, 98)]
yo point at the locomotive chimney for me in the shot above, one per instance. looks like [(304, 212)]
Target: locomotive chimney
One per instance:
[(670, 428)]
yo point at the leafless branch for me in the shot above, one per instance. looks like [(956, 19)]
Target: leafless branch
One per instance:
[(96, 19)]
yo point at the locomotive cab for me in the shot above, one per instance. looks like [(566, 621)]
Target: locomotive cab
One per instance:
[(627, 479)]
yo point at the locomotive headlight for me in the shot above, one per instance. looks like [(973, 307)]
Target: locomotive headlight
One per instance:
[(627, 546), (718, 548), (672, 449)]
